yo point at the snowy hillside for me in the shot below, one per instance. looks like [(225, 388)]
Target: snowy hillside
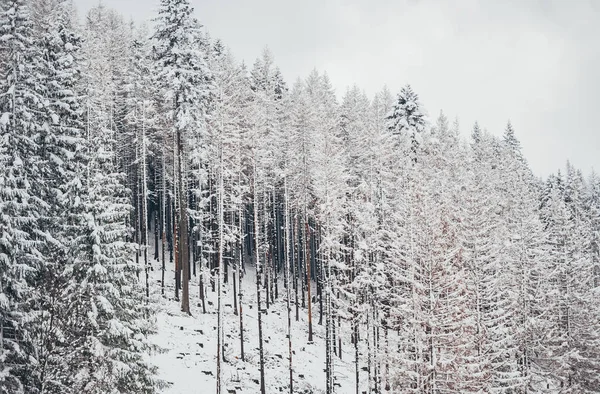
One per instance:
[(190, 346)]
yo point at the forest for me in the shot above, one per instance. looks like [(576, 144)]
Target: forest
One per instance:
[(144, 167)]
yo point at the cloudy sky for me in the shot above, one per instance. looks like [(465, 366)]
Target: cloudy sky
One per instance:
[(535, 62)]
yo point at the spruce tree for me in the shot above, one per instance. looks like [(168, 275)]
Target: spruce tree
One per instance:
[(22, 110), (186, 80)]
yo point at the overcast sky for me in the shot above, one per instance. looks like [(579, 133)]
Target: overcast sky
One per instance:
[(535, 62)]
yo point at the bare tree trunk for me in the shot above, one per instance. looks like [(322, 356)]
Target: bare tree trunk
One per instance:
[(369, 351), (294, 266), (287, 283), (164, 221), (156, 230), (201, 287), (339, 335), (176, 241), (276, 250), (328, 327), (219, 275), (145, 202), (183, 226), (239, 272), (267, 264), (258, 274), (1, 324), (307, 253)]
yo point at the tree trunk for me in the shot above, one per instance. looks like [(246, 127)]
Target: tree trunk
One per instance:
[(183, 226), (144, 220), (287, 285), (219, 275), (307, 253), (258, 275), (164, 222), (295, 272), (239, 272)]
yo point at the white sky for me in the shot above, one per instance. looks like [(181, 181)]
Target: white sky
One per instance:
[(536, 62)]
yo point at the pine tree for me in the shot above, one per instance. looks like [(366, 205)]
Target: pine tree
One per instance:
[(107, 326), (186, 80), (573, 314), (407, 118), (62, 160), (22, 110)]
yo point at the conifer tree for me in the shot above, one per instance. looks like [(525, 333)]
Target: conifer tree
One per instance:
[(22, 117), (186, 80)]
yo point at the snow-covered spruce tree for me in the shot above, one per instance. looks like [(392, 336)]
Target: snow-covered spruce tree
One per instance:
[(108, 323), (364, 154), (592, 203), (526, 258), (386, 243), (492, 279), (62, 160), (442, 291), (22, 116), (407, 118), (407, 123), (330, 192), (572, 312), (186, 79)]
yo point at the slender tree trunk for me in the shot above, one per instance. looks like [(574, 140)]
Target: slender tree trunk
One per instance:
[(1, 324), (339, 335), (387, 358), (201, 252), (183, 226), (219, 274), (295, 272), (239, 271), (267, 264), (308, 286), (328, 326), (176, 242), (164, 219), (376, 371), (276, 250), (156, 236), (287, 283), (320, 289), (369, 350), (202, 294), (258, 275), (145, 202)]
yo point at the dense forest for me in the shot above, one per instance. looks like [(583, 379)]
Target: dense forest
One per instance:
[(442, 264)]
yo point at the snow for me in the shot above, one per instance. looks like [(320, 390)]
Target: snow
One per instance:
[(4, 119), (3, 301), (189, 343)]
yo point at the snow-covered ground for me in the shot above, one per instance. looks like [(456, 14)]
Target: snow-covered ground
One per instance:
[(189, 343)]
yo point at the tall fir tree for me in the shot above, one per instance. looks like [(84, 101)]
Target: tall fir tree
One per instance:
[(22, 118), (186, 79)]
